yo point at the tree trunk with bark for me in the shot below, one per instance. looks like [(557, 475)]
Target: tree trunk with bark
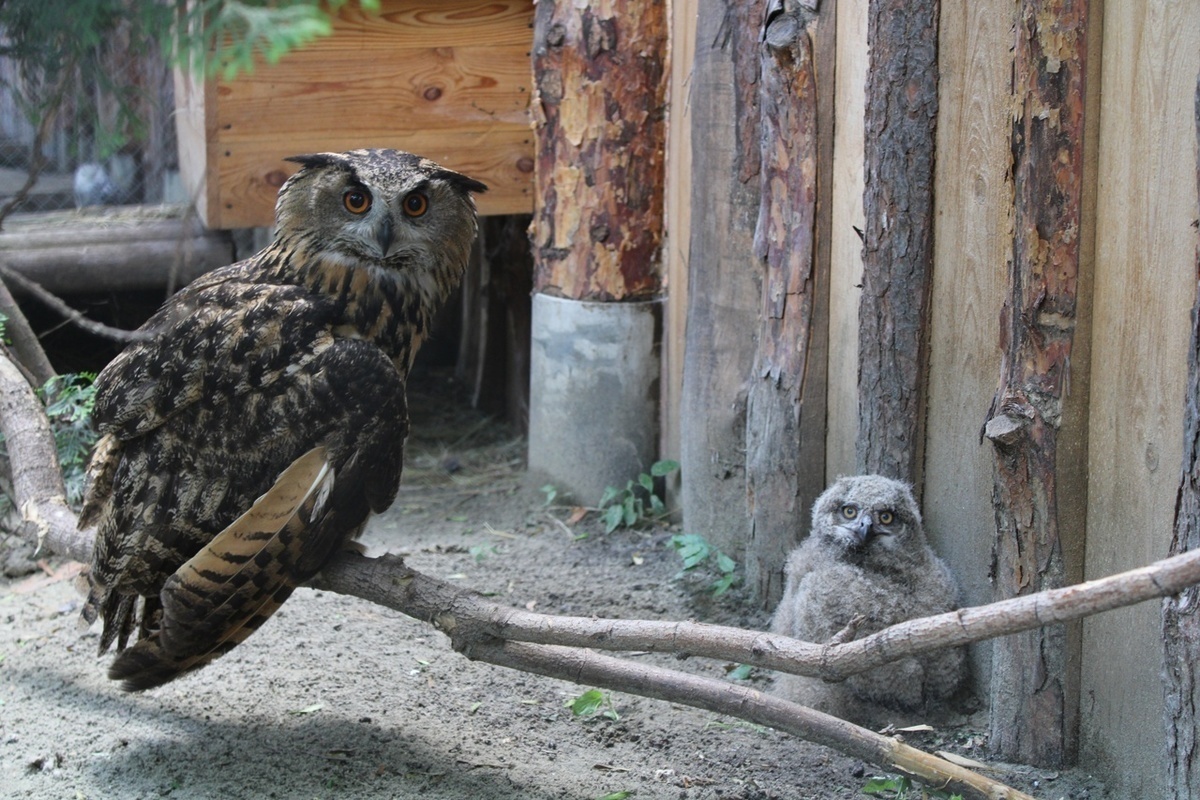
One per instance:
[(1181, 613), (1034, 676), (723, 276), (600, 72), (785, 409), (901, 120)]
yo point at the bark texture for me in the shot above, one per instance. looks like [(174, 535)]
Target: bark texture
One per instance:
[(1181, 613), (901, 118), (784, 468), (601, 80), (724, 277), (1034, 686)]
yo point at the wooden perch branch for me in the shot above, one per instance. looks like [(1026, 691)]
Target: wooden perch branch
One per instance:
[(468, 619)]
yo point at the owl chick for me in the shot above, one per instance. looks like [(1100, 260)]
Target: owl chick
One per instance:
[(261, 419), (867, 558)]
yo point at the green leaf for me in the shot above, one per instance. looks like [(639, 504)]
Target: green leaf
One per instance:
[(612, 517), (551, 492), (722, 585), (646, 482), (660, 468), (656, 505), (879, 785), (631, 514), (587, 703), (740, 673), (725, 564), (609, 495), (621, 795)]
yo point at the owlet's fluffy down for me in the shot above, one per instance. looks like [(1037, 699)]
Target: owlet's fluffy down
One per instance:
[(867, 557)]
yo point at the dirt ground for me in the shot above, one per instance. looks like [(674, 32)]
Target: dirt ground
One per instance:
[(337, 698)]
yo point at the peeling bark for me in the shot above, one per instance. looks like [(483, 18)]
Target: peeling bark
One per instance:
[(1181, 614), (600, 76), (1034, 695), (901, 119), (782, 477)]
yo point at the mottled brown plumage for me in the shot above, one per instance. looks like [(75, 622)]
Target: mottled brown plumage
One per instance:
[(262, 420)]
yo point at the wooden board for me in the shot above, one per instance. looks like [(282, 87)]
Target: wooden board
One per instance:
[(448, 80), (679, 219), (971, 250), (1144, 287), (845, 271)]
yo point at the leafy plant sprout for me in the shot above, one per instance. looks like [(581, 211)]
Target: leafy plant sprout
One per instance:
[(637, 503)]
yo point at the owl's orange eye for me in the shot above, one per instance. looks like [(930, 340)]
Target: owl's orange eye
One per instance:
[(415, 204), (886, 518), (357, 201), (849, 511)]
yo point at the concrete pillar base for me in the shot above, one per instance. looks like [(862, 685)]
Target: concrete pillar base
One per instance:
[(593, 395)]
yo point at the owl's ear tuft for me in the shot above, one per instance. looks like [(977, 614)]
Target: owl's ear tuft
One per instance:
[(461, 182), (318, 160)]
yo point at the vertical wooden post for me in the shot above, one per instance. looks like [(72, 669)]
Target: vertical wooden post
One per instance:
[(724, 292), (901, 120), (1034, 688), (600, 71), (1181, 614), (785, 410), (600, 77)]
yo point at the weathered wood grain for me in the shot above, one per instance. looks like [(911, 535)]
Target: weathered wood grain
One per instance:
[(1145, 286), (724, 290)]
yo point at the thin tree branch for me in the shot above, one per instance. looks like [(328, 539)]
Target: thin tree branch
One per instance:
[(72, 315)]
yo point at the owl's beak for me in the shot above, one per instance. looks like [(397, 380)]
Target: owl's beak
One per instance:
[(384, 232), (862, 529)]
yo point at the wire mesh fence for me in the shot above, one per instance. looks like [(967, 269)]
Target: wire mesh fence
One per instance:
[(110, 141)]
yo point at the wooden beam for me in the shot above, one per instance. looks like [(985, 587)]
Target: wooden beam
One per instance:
[(901, 121), (1034, 708), (785, 410), (724, 291)]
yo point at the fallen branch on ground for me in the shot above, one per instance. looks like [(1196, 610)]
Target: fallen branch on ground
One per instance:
[(487, 631)]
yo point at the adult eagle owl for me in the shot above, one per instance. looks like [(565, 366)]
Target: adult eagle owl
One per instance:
[(262, 418), (867, 560)]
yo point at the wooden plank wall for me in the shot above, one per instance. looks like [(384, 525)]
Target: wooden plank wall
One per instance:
[(1144, 288), (450, 81), (1127, 382)]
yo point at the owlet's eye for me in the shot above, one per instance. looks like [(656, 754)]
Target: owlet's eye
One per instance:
[(849, 511), (415, 204), (886, 517), (357, 201)]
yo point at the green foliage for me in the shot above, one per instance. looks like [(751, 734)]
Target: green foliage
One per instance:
[(69, 400), (591, 704), (696, 552), (637, 502), (901, 788), (551, 492), (619, 795)]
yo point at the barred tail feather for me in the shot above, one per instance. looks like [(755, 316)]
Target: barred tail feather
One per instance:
[(227, 590)]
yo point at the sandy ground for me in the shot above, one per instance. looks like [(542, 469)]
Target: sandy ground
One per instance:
[(337, 698)]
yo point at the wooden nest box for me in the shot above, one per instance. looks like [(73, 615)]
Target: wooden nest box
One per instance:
[(448, 79)]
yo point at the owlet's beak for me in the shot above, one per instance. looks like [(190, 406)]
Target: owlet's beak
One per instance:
[(862, 528), (384, 232)]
